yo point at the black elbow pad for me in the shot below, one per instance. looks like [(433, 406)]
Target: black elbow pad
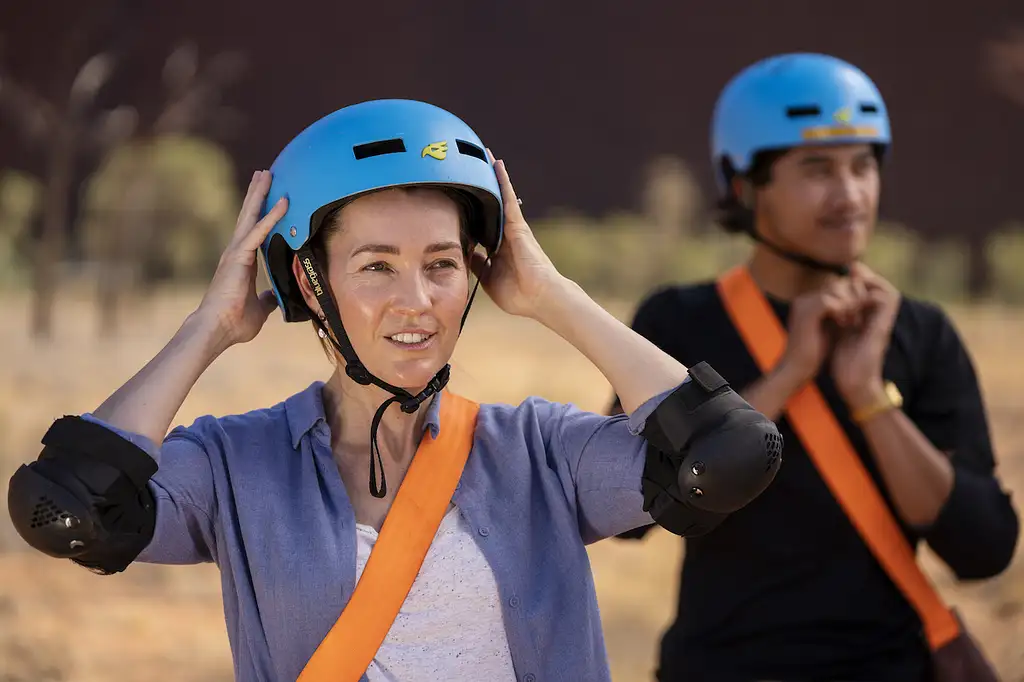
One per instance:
[(85, 498), (709, 454)]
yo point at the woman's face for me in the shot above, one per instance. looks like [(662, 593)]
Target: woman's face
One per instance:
[(398, 270)]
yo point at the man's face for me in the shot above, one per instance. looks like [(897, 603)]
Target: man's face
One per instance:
[(822, 201)]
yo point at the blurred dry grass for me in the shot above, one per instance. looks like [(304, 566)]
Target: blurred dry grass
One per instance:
[(58, 622)]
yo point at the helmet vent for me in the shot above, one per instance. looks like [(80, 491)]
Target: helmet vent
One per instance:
[(869, 108), (801, 112), (378, 148), (470, 149)]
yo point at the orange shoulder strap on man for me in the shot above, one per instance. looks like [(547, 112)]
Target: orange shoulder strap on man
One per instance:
[(835, 458), (415, 515)]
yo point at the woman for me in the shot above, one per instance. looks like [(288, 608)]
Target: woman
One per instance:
[(374, 215)]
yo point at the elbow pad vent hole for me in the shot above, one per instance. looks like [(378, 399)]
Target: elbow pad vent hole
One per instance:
[(773, 447), (46, 512)]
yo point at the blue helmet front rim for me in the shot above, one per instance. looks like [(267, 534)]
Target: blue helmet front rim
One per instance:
[(367, 147)]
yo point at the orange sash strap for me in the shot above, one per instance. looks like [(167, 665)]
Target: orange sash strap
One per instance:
[(421, 503), (835, 458)]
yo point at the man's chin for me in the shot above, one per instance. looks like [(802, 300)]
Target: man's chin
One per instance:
[(842, 258)]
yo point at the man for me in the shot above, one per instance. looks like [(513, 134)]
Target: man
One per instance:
[(786, 589)]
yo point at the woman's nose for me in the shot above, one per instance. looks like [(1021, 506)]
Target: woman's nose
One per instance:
[(411, 295)]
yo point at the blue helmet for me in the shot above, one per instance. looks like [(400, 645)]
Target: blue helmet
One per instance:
[(366, 147), (793, 100)]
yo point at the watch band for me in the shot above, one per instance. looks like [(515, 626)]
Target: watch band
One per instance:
[(892, 399)]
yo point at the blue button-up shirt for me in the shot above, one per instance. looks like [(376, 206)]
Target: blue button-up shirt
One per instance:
[(260, 495)]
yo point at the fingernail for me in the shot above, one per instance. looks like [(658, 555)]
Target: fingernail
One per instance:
[(255, 175)]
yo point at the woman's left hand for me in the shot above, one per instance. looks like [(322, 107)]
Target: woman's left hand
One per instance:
[(520, 277)]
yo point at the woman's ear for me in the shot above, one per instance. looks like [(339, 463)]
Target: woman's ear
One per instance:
[(300, 278)]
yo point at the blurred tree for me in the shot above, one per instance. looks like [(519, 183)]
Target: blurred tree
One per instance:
[(671, 196), (156, 206), (671, 204), (64, 129), (173, 222), (1003, 64), (1003, 68), (19, 204)]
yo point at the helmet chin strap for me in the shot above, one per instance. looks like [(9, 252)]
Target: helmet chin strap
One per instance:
[(746, 197), (801, 259), (357, 371)]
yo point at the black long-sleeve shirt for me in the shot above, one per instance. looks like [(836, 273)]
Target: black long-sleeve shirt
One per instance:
[(785, 589)]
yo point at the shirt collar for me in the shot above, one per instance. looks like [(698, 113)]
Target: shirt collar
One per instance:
[(305, 410)]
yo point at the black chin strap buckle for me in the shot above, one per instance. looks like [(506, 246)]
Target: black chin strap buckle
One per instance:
[(440, 380)]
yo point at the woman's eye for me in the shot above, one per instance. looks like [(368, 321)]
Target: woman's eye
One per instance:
[(444, 263), (379, 266)]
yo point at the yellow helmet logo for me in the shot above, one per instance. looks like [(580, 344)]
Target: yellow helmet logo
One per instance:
[(843, 116), (437, 150)]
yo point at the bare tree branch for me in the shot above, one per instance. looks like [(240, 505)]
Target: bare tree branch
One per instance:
[(180, 69), (91, 77), (225, 68), (33, 115), (194, 95), (112, 128), (1003, 65)]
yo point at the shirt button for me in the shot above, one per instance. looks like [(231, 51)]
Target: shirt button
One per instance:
[(529, 677), (514, 602), (485, 531)]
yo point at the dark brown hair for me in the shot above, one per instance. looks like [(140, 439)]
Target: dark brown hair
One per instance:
[(732, 214)]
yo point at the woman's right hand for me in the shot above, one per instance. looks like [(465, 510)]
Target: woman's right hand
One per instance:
[(231, 309)]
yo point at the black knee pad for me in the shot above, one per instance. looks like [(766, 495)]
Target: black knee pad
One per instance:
[(709, 454)]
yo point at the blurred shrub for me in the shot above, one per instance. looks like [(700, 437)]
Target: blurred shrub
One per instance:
[(1006, 255), (625, 257), (20, 196), (166, 205), (166, 208)]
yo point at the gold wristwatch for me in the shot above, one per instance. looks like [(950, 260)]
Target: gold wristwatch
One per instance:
[(891, 399)]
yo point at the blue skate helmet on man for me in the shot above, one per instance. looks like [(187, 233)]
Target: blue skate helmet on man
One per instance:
[(783, 102)]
